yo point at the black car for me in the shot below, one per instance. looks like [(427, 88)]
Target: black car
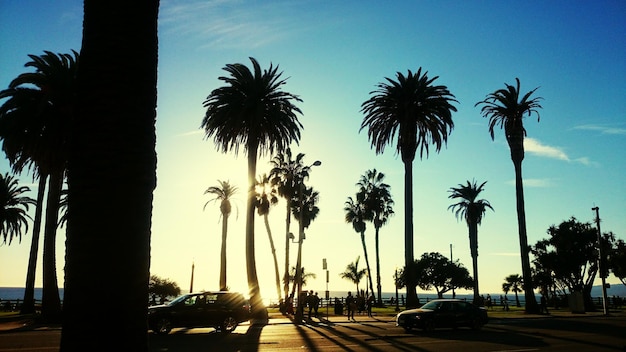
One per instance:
[(220, 310), (443, 313)]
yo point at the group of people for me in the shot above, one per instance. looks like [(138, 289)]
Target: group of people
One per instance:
[(359, 303)]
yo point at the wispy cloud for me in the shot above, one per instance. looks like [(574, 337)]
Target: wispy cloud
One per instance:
[(227, 23), (534, 182), (535, 147), (603, 129)]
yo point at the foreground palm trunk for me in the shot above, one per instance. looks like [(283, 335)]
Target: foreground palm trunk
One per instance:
[(50, 299), (473, 239), (111, 178), (410, 276)]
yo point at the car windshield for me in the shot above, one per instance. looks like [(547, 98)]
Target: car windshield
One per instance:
[(178, 299), (431, 305)]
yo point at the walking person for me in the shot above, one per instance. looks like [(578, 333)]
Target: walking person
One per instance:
[(350, 305), (316, 303), (370, 303)]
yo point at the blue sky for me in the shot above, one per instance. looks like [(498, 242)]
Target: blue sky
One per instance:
[(333, 55)]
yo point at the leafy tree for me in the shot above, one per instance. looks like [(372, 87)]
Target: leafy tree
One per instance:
[(13, 208), (514, 283), (356, 214), (570, 255), (111, 178), (617, 261), (435, 271), (251, 111), (286, 175), (266, 195), (34, 129), (162, 288), (353, 273), (376, 196), (472, 210), (222, 193), (420, 113), (505, 109)]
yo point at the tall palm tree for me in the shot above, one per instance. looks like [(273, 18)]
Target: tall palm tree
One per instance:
[(505, 109), (34, 129), (353, 273), (376, 196), (222, 193), (420, 113), (304, 208), (251, 111), (356, 214), (266, 196), (111, 179), (514, 283), (286, 175), (472, 210), (13, 208)]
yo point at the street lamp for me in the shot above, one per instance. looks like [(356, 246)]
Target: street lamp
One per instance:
[(298, 279)]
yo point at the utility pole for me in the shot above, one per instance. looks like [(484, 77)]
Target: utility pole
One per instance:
[(452, 261), (600, 261)]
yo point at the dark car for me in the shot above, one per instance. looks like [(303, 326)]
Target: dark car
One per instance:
[(443, 313), (220, 310)]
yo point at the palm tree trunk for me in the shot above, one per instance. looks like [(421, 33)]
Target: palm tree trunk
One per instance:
[(258, 310), (529, 295), (50, 300), (28, 306), (223, 286), (112, 157), (378, 286), (287, 239), (473, 237), (269, 234), (367, 263), (410, 276)]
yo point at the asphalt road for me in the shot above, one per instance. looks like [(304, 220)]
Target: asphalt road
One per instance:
[(575, 333)]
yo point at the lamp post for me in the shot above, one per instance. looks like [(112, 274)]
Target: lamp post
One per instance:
[(298, 279)]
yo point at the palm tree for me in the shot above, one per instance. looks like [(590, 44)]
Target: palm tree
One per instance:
[(513, 283), (472, 210), (266, 196), (353, 273), (286, 175), (356, 214), (13, 208), (111, 178), (34, 129), (304, 207), (253, 112), (420, 113), (376, 196), (222, 193), (505, 109)]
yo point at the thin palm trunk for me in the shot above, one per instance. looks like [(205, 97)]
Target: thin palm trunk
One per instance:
[(412, 300), (223, 286), (473, 237), (529, 295), (378, 286), (28, 306), (50, 300), (258, 309), (277, 275), (287, 240), (367, 262)]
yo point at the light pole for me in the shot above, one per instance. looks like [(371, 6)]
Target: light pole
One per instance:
[(600, 264), (298, 279)]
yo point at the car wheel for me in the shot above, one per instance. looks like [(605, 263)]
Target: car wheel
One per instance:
[(476, 324), (228, 324), (163, 326), (429, 325)]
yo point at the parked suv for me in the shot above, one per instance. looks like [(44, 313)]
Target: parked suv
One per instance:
[(220, 310)]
